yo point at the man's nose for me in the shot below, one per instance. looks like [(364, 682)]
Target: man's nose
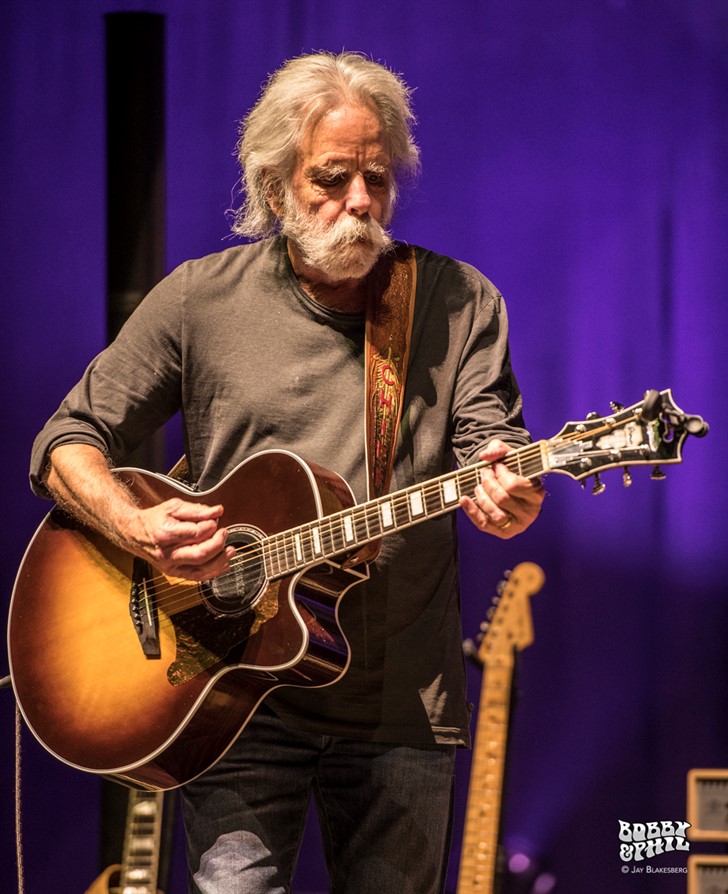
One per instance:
[(358, 200)]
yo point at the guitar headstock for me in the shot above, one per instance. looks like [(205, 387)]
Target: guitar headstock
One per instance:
[(650, 432), (508, 624)]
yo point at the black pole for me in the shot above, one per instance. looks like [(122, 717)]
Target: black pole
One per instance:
[(135, 160), (135, 151)]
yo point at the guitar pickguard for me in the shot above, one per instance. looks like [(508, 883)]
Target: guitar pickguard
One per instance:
[(206, 639)]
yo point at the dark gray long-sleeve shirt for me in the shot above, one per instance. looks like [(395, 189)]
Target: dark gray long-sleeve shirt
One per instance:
[(253, 363)]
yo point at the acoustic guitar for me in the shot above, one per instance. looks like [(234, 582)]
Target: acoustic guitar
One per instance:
[(124, 672), (138, 872), (508, 629)]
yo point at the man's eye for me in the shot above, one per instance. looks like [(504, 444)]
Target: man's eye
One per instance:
[(374, 178), (329, 181)]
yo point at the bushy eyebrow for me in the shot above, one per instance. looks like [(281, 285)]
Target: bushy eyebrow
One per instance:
[(333, 167), (337, 167), (376, 167)]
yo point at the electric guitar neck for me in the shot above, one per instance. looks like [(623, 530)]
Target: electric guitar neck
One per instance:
[(138, 872), (508, 628)]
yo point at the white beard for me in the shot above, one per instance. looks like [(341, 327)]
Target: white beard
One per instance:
[(348, 248)]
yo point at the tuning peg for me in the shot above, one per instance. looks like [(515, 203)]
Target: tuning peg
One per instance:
[(616, 407), (470, 650), (593, 415), (599, 486), (651, 405), (626, 477), (658, 474)]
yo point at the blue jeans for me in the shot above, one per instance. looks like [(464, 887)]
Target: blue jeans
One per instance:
[(384, 812)]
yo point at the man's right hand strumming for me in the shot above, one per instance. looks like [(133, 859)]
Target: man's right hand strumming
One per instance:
[(180, 538)]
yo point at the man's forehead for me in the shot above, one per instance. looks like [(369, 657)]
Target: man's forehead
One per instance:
[(343, 132)]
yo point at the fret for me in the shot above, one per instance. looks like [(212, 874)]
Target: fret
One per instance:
[(298, 547), (349, 536), (450, 492), (328, 526), (289, 544), (307, 543), (273, 555), (469, 478), (374, 525), (416, 502), (268, 558), (142, 845), (386, 511), (401, 511), (271, 549), (316, 540), (433, 500), (361, 531), (140, 874), (338, 534), (282, 552), (302, 550)]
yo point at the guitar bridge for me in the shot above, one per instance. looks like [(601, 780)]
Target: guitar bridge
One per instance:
[(143, 609)]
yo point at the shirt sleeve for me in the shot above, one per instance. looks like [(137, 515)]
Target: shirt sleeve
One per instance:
[(128, 391), (487, 401)]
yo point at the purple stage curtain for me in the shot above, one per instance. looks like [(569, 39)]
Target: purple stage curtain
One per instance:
[(576, 153)]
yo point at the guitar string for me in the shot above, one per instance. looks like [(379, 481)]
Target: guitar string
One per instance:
[(257, 553), (368, 515), (362, 517)]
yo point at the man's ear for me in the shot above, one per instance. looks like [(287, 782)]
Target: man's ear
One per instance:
[(274, 196)]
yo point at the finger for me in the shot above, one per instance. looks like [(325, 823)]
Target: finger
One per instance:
[(177, 521), (186, 511), (207, 571), (493, 500), (494, 450), (474, 512), (510, 491), (486, 523), (171, 532), (195, 552)]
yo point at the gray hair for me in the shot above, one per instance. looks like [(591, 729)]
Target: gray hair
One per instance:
[(294, 99)]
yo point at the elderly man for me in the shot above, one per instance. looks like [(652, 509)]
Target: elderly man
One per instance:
[(263, 346)]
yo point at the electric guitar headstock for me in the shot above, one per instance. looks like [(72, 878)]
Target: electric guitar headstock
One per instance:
[(650, 432), (508, 626)]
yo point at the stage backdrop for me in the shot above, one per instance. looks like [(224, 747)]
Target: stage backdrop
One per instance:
[(577, 154)]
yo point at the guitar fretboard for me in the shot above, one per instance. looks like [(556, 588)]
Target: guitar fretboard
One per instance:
[(482, 821), (346, 531), (140, 864)]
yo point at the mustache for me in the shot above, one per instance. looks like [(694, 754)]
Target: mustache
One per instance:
[(345, 230), (352, 231), (346, 247)]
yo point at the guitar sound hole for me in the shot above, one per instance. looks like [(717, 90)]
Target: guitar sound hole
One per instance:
[(237, 589)]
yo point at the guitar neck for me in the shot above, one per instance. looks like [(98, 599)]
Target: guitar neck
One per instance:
[(347, 531), (649, 433), (482, 817), (140, 862)]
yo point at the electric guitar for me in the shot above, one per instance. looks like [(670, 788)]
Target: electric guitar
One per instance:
[(138, 872), (122, 671), (509, 628)]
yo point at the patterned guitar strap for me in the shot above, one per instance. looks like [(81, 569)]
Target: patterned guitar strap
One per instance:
[(390, 310)]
